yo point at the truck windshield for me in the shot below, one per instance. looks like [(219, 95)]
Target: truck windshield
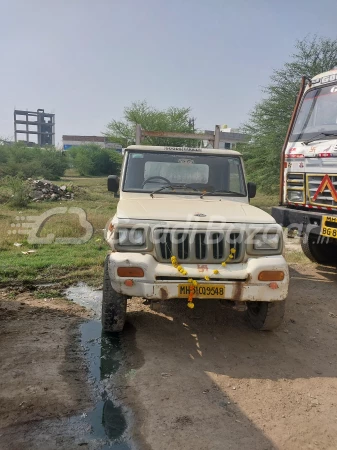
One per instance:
[(188, 173), (317, 114)]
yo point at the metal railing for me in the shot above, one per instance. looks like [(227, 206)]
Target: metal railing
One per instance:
[(213, 138)]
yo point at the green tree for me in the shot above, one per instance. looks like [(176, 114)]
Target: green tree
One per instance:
[(269, 120), (171, 119)]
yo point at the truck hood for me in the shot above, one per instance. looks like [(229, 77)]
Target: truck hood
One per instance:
[(184, 209)]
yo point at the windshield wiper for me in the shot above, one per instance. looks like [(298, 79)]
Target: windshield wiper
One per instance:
[(222, 191), (317, 135), (173, 187)]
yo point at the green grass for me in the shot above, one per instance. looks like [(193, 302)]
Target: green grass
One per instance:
[(297, 257), (64, 263), (71, 173), (67, 264), (265, 202), (48, 293)]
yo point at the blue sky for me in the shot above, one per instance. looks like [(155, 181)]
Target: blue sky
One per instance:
[(86, 60)]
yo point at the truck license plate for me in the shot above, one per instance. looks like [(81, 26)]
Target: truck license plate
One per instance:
[(202, 291), (329, 226)]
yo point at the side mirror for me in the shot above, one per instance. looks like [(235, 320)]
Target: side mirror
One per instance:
[(113, 183), (251, 190)]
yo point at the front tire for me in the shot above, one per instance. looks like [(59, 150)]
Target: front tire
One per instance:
[(266, 316), (318, 250), (113, 305)]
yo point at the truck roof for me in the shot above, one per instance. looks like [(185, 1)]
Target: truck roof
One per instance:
[(325, 77), (207, 151)]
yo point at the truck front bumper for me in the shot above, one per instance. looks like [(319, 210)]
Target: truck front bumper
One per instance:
[(160, 281), (305, 221)]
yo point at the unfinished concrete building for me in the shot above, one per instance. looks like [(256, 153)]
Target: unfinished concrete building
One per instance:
[(36, 127)]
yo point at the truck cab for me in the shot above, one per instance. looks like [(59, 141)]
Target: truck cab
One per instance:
[(308, 190), (184, 229)]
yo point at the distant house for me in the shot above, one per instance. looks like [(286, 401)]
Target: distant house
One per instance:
[(69, 141), (229, 137)]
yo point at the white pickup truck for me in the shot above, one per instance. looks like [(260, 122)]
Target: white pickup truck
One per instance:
[(184, 229)]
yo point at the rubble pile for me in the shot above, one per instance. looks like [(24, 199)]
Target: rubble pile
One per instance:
[(41, 190)]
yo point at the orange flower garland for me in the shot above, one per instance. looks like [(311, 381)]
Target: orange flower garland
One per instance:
[(194, 283)]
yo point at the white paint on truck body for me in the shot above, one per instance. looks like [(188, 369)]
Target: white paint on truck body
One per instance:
[(150, 215), (311, 152)]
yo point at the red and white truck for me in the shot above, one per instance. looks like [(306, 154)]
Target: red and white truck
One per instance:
[(308, 176)]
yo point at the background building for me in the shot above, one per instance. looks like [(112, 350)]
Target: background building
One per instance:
[(37, 127), (229, 137), (69, 141)]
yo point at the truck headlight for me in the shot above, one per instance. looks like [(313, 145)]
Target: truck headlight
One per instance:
[(266, 241), (295, 196), (130, 237)]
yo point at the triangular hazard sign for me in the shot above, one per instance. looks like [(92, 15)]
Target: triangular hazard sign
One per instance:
[(326, 183)]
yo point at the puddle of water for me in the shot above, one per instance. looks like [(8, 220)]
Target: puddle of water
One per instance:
[(106, 422), (86, 296)]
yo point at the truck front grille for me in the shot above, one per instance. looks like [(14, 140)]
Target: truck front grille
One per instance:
[(197, 246), (325, 196)]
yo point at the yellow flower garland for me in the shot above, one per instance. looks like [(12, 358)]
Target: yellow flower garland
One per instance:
[(194, 283)]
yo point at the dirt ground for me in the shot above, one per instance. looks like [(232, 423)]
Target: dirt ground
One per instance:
[(42, 376), (201, 379), (204, 380)]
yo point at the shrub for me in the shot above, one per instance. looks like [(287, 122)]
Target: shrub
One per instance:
[(31, 162), (93, 160), (17, 191)]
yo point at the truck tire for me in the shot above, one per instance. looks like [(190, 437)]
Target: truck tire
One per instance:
[(318, 250), (265, 315), (113, 305)]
